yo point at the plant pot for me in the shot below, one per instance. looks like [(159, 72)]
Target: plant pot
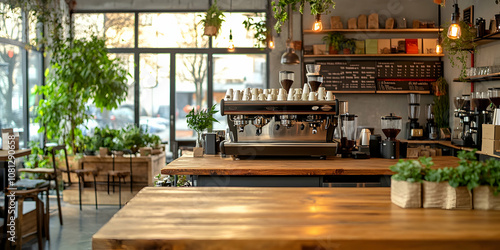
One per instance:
[(347, 51), (103, 152), (210, 31), (485, 199), (457, 198), (197, 152), (145, 151), (89, 152), (333, 51), (433, 194), (156, 151), (406, 194)]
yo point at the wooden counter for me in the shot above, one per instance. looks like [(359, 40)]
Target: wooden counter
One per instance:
[(292, 219), (282, 172), (216, 165)]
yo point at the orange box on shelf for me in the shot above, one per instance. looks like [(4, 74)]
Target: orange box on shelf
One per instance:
[(411, 46)]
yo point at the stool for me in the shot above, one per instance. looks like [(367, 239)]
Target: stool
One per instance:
[(81, 181), (121, 175), (41, 217)]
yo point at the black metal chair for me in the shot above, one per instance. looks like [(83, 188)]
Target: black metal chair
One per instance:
[(120, 174)]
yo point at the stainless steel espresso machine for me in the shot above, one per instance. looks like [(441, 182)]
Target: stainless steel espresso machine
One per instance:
[(280, 128)]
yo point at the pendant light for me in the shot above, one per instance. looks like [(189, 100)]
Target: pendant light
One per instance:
[(289, 57), (270, 42), (231, 43), (454, 31), (317, 25), (230, 48)]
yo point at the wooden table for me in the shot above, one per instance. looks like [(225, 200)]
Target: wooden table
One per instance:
[(217, 171), (292, 219)]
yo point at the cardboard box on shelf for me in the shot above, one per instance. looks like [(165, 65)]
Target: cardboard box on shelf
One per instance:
[(490, 146), (360, 46), (399, 44), (429, 46), (413, 46), (319, 49), (384, 46), (491, 132), (371, 46)]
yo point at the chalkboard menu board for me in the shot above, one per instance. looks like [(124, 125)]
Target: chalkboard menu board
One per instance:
[(380, 76), (349, 76)]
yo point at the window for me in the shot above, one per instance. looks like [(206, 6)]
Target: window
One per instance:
[(117, 28), (11, 23), (34, 79)]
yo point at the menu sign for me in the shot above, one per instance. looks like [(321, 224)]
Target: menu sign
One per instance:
[(370, 76), (349, 76)]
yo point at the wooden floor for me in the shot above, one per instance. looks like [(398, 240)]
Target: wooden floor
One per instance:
[(292, 219)]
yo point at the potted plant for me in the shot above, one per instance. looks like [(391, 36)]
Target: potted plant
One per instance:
[(441, 105), (463, 179), (334, 42), (132, 138), (280, 9), (261, 32), (349, 46), (459, 49), (434, 187), (81, 73), (213, 20), (486, 194), (156, 145), (199, 121), (90, 145), (406, 182)]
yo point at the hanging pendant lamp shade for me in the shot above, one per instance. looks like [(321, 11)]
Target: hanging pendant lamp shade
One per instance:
[(289, 57)]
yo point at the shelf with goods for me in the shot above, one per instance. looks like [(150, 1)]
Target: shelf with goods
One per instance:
[(480, 78), (373, 55), (416, 30), (487, 39)]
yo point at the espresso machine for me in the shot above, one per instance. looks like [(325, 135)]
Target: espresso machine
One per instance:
[(480, 116), (413, 129), (391, 126), (465, 115), (431, 127), (458, 129)]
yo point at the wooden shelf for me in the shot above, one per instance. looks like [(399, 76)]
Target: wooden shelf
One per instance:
[(480, 78), (487, 39), (373, 55), (424, 92), (423, 30)]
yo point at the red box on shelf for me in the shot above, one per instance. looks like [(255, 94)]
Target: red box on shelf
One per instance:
[(411, 46)]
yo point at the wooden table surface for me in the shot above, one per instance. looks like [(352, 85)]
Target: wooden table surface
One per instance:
[(292, 219), (4, 154), (215, 165)]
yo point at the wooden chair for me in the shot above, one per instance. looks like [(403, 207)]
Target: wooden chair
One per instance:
[(42, 218), (121, 174)]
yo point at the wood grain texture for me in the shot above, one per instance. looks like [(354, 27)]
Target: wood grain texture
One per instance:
[(4, 154), (290, 218), (215, 165)]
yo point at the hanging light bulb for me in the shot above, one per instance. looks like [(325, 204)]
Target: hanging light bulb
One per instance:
[(231, 43), (270, 43), (318, 25), (454, 32), (439, 49)]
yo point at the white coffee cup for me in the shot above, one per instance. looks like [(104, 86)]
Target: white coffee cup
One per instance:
[(306, 88), (296, 97), (236, 95), (262, 97), (255, 97), (281, 97), (274, 91), (282, 91), (255, 91), (271, 97), (298, 91), (312, 96), (305, 96), (229, 93), (330, 96), (246, 97), (290, 96), (267, 92), (321, 91)]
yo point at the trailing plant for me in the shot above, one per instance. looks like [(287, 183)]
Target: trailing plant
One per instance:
[(335, 40), (441, 103), (459, 49), (81, 73), (201, 120), (261, 32), (411, 170), (214, 17), (280, 9)]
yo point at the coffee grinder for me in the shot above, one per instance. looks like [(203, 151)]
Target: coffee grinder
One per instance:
[(458, 129), (480, 116), (431, 127), (391, 126), (413, 130), (465, 116), (349, 123)]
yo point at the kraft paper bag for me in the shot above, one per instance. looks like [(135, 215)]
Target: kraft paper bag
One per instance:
[(433, 194), (483, 198), (458, 198), (406, 194)]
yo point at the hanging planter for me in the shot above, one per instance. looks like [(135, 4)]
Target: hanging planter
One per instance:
[(281, 14), (213, 20)]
